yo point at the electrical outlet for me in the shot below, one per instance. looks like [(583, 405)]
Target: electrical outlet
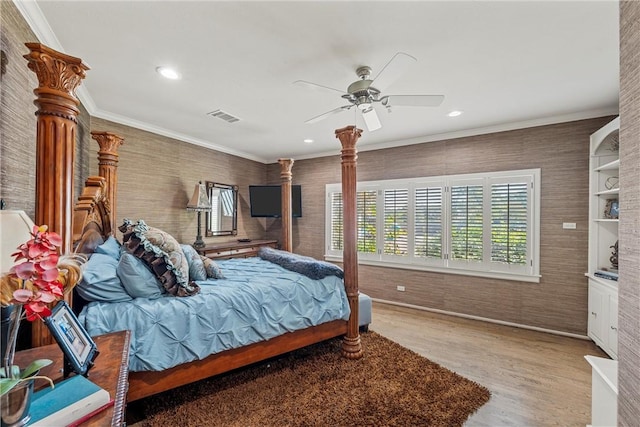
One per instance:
[(569, 225), (400, 288)]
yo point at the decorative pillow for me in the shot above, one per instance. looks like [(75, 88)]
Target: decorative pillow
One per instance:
[(310, 267), (162, 253), (137, 279), (111, 248), (212, 269), (100, 281), (196, 266)]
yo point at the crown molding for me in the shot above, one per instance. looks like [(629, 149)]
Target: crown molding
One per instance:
[(116, 118), (503, 127)]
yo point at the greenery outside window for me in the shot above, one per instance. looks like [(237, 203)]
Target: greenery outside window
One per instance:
[(475, 224)]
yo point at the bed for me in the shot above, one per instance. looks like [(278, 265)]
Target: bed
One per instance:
[(89, 223)]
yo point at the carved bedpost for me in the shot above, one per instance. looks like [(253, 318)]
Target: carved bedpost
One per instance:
[(351, 346), (58, 76), (285, 179), (107, 168)]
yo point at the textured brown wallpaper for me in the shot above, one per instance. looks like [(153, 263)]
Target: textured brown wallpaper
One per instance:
[(558, 302), (18, 122), (157, 175), (629, 244)]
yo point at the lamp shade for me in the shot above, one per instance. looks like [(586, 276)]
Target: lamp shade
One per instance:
[(199, 201)]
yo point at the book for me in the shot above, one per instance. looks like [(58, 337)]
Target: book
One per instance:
[(79, 421), (70, 400), (606, 274)]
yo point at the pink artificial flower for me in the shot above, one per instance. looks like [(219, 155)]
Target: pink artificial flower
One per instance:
[(40, 270)]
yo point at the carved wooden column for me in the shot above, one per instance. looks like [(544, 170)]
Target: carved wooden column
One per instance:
[(287, 227), (351, 345), (107, 165), (58, 76)]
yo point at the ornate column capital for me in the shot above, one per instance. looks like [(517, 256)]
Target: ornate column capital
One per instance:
[(285, 169), (109, 143), (348, 137), (58, 77)]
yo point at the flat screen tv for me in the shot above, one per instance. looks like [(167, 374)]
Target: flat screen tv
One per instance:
[(265, 201)]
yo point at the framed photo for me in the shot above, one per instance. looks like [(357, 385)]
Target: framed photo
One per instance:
[(611, 209), (74, 341)]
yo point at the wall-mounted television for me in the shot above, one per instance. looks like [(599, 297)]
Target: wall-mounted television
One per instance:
[(265, 201)]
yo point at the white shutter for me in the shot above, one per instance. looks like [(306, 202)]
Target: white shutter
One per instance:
[(396, 222), (428, 222), (466, 230), (367, 233), (511, 224), (337, 222)]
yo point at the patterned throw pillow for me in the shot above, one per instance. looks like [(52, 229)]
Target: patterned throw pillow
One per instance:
[(213, 270), (196, 266), (162, 253)]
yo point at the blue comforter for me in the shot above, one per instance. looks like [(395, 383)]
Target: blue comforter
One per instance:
[(257, 301)]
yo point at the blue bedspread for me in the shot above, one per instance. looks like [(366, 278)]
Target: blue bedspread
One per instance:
[(257, 301)]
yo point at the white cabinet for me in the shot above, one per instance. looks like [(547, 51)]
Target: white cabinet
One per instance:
[(604, 164), (603, 316)]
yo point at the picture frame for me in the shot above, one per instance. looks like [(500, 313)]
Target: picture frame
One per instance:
[(611, 209), (77, 346)]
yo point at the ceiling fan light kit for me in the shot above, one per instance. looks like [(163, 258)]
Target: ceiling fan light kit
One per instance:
[(364, 95)]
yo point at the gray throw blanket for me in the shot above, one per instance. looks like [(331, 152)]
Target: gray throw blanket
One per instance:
[(310, 267)]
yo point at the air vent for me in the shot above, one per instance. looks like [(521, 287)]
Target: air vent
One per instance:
[(222, 115)]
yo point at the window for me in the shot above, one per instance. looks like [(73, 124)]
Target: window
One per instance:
[(478, 224)]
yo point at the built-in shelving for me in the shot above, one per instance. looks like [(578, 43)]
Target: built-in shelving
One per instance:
[(604, 164)]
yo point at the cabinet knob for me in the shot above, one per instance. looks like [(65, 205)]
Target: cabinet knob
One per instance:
[(614, 328), (593, 313)]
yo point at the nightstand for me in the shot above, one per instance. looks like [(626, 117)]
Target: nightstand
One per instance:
[(111, 372)]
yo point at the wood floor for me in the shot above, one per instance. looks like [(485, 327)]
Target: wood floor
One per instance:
[(535, 378)]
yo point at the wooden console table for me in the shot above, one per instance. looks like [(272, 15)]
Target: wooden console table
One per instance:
[(111, 372), (235, 249)]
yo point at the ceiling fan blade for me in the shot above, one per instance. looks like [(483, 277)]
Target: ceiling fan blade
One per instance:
[(371, 119), (394, 69), (315, 86), (327, 114), (412, 100)]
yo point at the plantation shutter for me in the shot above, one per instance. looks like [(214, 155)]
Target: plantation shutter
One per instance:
[(337, 222), (428, 222), (509, 223), (366, 208), (466, 222), (396, 222)]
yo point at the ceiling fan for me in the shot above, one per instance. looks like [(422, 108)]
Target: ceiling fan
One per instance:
[(366, 92)]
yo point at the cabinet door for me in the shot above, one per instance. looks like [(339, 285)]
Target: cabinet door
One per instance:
[(597, 317), (613, 325)]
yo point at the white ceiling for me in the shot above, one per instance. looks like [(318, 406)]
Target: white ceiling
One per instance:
[(506, 64)]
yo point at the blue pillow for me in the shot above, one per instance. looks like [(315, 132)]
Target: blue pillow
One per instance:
[(111, 247), (137, 279), (196, 266), (100, 281)]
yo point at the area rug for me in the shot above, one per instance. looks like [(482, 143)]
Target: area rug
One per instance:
[(315, 386)]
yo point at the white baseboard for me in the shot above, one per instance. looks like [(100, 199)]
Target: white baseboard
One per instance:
[(484, 319)]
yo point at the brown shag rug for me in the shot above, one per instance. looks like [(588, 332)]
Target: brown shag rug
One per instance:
[(315, 386)]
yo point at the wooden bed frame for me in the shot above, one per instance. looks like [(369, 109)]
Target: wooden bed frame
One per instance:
[(93, 219)]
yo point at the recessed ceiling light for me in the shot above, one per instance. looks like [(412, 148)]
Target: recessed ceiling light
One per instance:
[(308, 141), (454, 113), (168, 73)]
